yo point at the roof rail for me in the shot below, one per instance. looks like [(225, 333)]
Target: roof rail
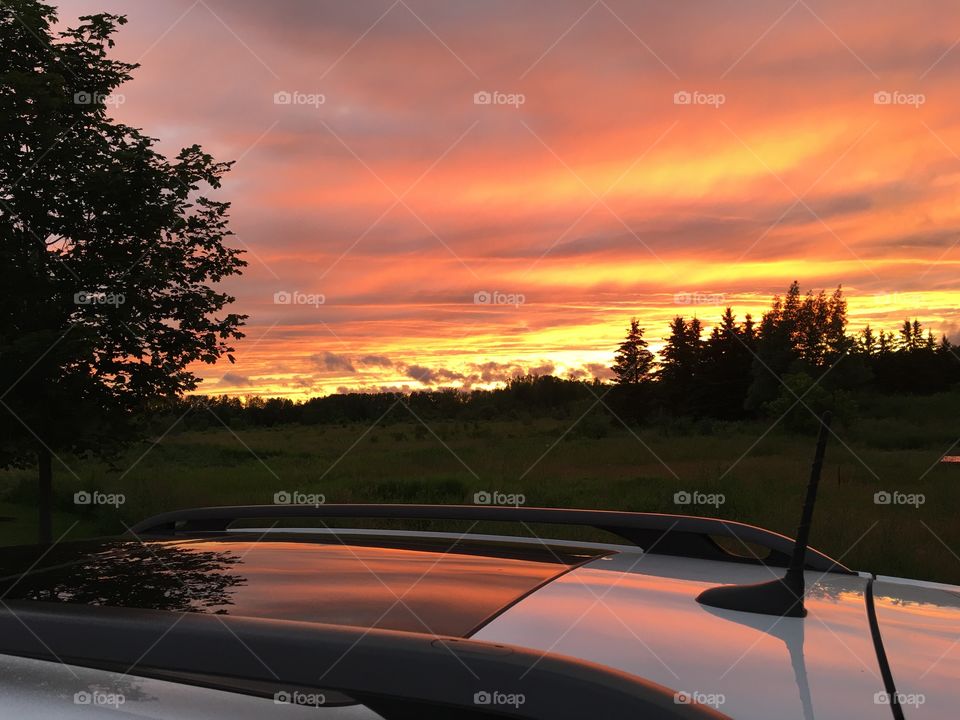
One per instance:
[(681, 535), (396, 674)]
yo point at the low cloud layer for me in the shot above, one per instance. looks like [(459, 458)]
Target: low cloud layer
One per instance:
[(331, 362)]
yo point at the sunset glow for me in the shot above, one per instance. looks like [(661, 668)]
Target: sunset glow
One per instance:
[(402, 232)]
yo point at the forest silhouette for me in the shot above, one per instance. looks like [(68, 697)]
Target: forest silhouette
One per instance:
[(796, 361)]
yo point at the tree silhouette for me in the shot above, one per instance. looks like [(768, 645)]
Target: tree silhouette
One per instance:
[(801, 334), (776, 350), (725, 367), (911, 336), (679, 370), (914, 361), (884, 343), (109, 250), (633, 361), (867, 343)]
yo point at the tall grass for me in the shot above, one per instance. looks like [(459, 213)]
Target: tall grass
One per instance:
[(597, 464)]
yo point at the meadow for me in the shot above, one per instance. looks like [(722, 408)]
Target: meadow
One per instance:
[(894, 446)]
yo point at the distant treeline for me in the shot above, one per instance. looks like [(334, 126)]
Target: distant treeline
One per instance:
[(523, 397), (797, 360)]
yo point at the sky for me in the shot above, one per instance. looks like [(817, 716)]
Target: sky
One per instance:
[(451, 192)]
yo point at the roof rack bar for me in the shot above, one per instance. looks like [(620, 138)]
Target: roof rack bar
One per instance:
[(680, 535), (398, 675)]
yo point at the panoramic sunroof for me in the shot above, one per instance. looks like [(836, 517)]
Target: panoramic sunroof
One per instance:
[(427, 587)]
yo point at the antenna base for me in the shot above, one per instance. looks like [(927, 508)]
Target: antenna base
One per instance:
[(783, 597)]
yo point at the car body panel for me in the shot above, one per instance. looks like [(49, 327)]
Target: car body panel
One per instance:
[(638, 613), (610, 604), (920, 627), (43, 689)]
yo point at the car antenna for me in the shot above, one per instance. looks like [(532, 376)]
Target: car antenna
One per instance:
[(783, 596)]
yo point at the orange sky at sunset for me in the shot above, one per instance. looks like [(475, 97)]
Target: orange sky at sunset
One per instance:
[(821, 143)]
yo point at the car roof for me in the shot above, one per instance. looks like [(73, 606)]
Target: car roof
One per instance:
[(612, 605), (419, 584), (639, 614), (627, 610)]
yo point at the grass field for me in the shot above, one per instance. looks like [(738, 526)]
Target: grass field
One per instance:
[(895, 446)]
